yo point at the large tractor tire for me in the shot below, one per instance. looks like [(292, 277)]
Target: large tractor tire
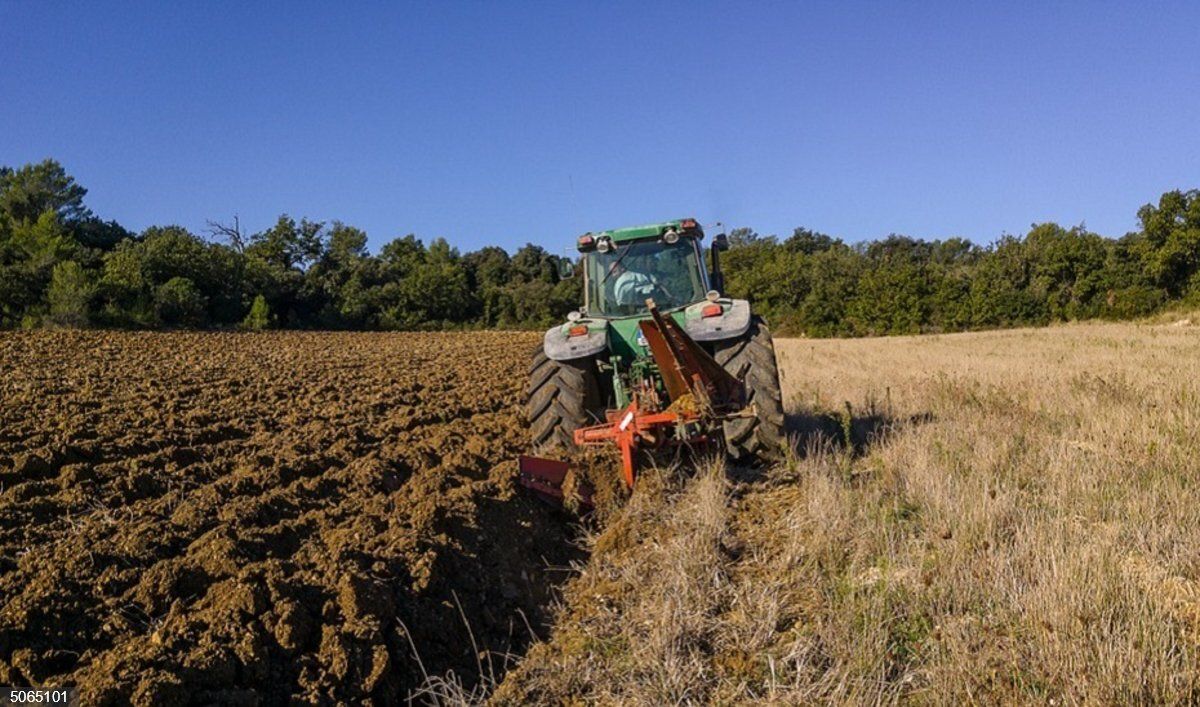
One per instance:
[(563, 396), (751, 358)]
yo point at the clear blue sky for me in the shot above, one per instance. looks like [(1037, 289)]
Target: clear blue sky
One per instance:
[(507, 122)]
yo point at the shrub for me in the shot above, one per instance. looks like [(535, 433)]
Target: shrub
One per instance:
[(178, 302), (259, 317), (70, 295)]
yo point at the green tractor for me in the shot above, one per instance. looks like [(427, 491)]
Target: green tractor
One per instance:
[(643, 285)]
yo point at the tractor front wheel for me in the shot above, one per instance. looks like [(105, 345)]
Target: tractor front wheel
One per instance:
[(751, 358), (563, 396)]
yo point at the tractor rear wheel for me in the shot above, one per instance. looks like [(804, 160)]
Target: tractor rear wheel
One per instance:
[(751, 358), (563, 396)]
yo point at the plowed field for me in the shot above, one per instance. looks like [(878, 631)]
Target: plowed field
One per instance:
[(286, 517)]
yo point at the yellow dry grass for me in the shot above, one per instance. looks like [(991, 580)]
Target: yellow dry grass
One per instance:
[(1016, 519)]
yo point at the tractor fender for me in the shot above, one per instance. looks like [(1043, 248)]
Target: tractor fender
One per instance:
[(732, 323), (559, 345)]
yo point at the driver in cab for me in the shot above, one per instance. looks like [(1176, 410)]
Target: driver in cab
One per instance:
[(631, 287)]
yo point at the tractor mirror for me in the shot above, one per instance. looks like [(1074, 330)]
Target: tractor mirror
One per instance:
[(720, 242), (566, 268)]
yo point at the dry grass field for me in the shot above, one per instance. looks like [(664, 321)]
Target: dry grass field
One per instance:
[(1014, 519)]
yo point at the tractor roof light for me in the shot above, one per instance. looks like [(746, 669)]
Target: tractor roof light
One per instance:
[(688, 224), (604, 244), (587, 243), (671, 237), (712, 295), (711, 310)]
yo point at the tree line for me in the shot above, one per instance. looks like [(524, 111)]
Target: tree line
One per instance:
[(814, 284), (61, 265)]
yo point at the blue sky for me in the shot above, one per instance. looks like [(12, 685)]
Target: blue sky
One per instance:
[(506, 122)]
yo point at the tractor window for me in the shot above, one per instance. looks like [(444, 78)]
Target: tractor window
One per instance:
[(620, 281)]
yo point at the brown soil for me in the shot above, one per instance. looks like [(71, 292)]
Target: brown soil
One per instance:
[(244, 519)]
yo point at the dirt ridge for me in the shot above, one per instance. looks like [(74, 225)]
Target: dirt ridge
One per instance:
[(246, 519)]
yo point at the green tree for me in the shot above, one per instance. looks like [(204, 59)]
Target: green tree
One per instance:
[(29, 250), (1170, 247), (346, 244), (178, 302), (834, 275), (278, 261), (289, 245), (893, 295), (427, 288), (534, 295), (809, 242), (1067, 269), (259, 317), (402, 255), (327, 287), (533, 263), (1001, 295), (33, 189), (488, 271), (70, 295), (100, 235), (1129, 289), (135, 270)]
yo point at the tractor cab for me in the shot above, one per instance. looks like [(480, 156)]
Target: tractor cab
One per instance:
[(623, 268)]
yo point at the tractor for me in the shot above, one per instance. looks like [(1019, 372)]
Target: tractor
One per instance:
[(658, 356)]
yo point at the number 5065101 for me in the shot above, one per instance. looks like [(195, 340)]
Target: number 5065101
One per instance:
[(63, 696)]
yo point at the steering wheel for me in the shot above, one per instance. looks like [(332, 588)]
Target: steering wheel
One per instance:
[(658, 285)]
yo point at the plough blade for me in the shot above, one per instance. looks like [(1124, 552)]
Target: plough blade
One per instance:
[(545, 477)]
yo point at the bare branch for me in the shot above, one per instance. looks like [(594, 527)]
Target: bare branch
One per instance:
[(233, 234)]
